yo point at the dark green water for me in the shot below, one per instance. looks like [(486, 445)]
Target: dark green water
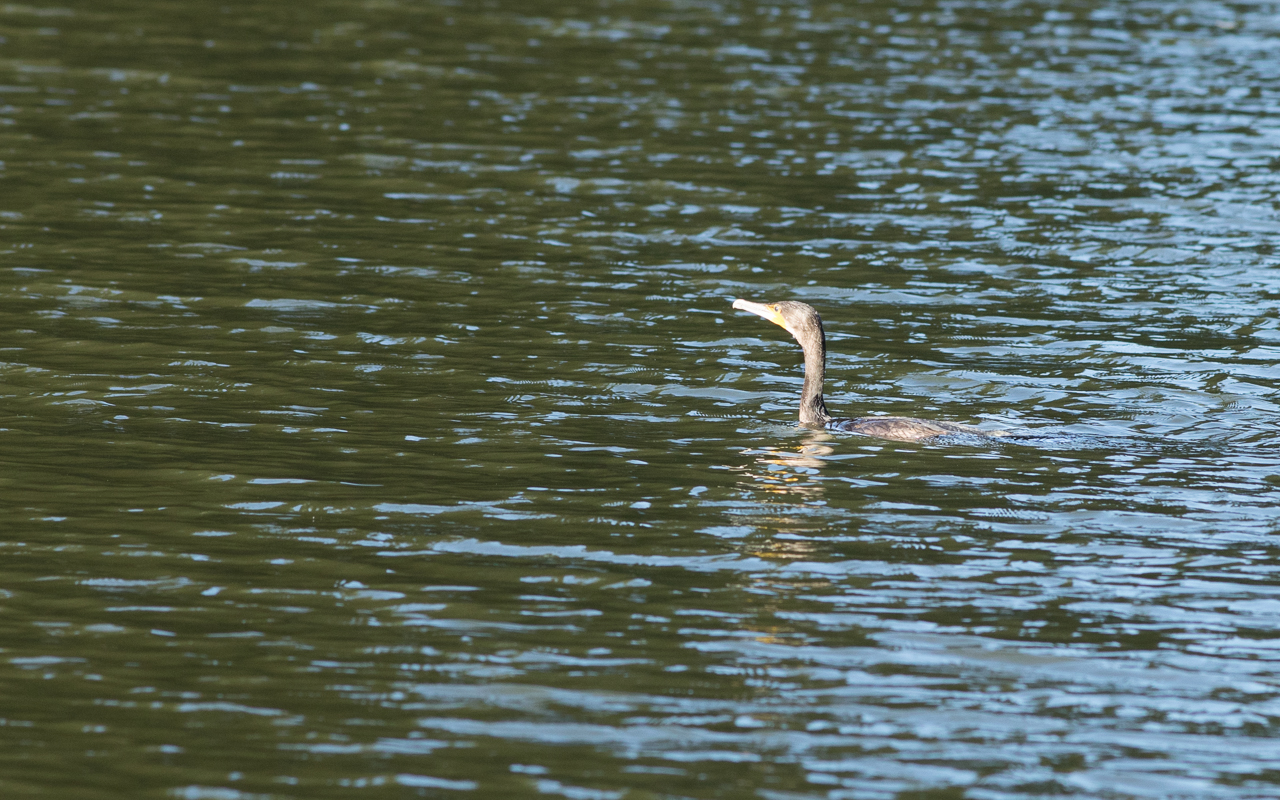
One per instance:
[(376, 424)]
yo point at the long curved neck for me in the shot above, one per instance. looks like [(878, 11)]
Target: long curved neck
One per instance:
[(813, 411)]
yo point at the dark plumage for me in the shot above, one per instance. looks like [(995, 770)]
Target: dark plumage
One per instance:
[(803, 322)]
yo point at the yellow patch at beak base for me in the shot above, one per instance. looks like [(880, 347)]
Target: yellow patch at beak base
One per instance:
[(765, 310)]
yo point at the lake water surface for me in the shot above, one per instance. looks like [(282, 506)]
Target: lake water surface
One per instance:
[(376, 424)]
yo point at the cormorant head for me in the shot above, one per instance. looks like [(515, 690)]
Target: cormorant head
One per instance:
[(800, 319)]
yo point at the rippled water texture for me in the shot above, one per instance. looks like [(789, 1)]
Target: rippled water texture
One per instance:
[(376, 424)]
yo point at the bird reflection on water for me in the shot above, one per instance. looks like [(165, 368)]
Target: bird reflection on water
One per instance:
[(790, 524), (789, 495)]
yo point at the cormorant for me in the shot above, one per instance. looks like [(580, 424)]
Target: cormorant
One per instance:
[(803, 322)]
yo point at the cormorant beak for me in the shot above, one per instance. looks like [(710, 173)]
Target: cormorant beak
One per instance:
[(769, 312)]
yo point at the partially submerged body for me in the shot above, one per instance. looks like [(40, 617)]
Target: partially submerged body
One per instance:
[(905, 429)]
